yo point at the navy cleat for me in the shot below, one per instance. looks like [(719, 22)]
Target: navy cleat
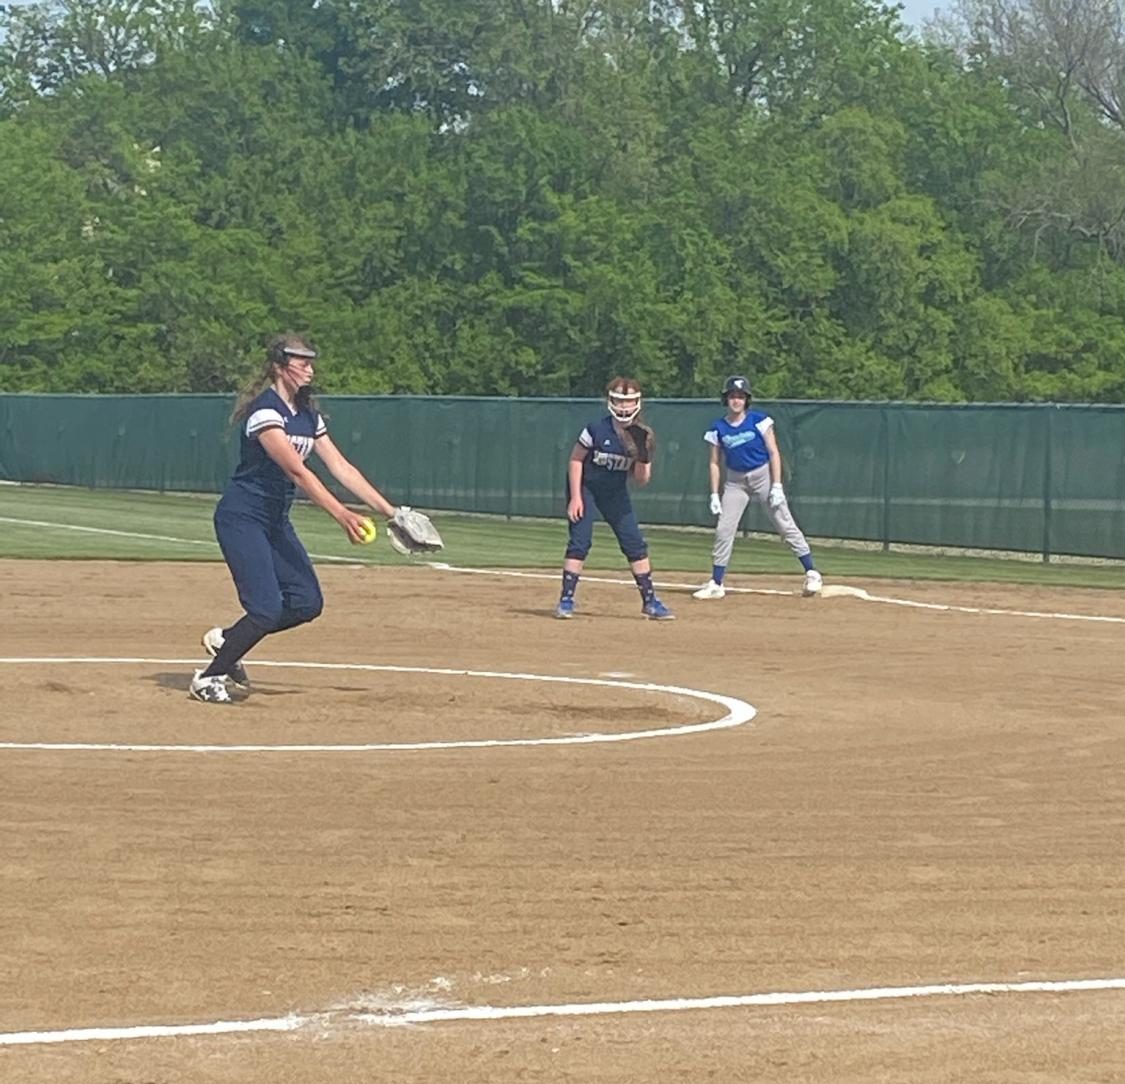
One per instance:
[(657, 611), (213, 641), (565, 608)]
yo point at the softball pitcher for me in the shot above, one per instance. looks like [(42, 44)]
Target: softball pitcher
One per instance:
[(276, 584), (745, 443)]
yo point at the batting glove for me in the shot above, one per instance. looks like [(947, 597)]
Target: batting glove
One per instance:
[(716, 505), (777, 495)]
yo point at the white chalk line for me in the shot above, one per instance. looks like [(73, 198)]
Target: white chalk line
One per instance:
[(437, 1014), (442, 566), (151, 1031), (148, 537), (738, 711), (857, 592)]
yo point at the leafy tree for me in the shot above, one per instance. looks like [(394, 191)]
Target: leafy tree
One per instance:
[(525, 196)]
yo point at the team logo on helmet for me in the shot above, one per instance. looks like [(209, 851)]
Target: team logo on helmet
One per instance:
[(737, 385), (623, 397)]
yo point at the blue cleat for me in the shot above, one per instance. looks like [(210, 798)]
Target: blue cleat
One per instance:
[(657, 611), (565, 608)]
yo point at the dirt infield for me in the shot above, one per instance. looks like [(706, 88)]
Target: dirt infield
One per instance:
[(923, 798)]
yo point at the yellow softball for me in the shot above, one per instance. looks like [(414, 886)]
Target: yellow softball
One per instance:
[(367, 529)]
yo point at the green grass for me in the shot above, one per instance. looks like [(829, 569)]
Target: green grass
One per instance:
[(183, 526)]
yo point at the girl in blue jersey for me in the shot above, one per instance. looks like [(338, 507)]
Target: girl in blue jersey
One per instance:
[(278, 589), (745, 443), (604, 458)]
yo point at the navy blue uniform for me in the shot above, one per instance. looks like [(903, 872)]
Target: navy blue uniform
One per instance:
[(276, 583), (605, 477)]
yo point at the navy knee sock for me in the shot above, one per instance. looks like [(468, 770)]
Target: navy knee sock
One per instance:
[(570, 584), (237, 640), (644, 585)]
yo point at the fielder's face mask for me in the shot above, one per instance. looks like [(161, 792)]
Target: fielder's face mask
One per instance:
[(624, 405)]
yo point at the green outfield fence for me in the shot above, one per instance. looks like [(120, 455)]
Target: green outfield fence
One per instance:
[(1042, 478)]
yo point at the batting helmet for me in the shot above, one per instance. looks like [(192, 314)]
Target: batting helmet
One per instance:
[(737, 384)]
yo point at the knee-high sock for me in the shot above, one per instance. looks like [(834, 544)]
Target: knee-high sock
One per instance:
[(237, 640), (569, 584)]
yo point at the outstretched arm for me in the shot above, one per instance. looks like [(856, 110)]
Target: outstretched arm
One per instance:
[(351, 477), (277, 447)]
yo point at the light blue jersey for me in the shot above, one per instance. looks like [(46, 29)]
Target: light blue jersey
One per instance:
[(743, 445)]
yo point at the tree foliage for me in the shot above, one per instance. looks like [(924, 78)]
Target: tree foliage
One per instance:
[(522, 197)]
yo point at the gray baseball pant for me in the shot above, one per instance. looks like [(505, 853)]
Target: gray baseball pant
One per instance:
[(741, 487)]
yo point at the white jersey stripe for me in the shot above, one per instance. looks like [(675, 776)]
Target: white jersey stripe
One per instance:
[(264, 419)]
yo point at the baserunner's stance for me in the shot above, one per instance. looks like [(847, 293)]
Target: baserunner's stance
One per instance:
[(744, 442)]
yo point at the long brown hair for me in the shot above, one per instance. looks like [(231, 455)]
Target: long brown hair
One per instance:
[(276, 358)]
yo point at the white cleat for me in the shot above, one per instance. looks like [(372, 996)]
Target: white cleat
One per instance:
[(209, 690), (710, 589), (213, 642), (813, 583)]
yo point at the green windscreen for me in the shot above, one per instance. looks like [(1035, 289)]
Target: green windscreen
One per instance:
[(1039, 478)]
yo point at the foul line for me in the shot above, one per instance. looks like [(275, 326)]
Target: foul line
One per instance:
[(857, 592), (408, 1015), (738, 711), (148, 537)]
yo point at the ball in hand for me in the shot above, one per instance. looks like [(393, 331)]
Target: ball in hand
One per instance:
[(367, 531)]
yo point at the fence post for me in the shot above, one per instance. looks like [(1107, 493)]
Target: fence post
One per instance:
[(1048, 469), (406, 420), (512, 453), (885, 434)]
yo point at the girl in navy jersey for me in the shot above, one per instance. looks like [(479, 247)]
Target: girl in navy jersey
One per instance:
[(601, 463), (744, 442), (280, 426)]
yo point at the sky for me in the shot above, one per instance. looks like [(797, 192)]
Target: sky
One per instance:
[(914, 11)]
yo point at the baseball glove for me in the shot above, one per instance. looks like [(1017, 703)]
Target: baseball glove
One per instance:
[(643, 440), (411, 532)]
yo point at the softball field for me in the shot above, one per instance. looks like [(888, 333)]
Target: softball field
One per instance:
[(835, 840)]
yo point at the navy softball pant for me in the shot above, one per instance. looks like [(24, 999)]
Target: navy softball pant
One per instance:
[(617, 510), (272, 572)]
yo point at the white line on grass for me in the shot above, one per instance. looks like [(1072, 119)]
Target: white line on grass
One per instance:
[(442, 566), (148, 537), (738, 711), (392, 1017), (109, 531)]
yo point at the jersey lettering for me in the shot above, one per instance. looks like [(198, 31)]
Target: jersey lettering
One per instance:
[(736, 440), (303, 445), (607, 460), (258, 482), (610, 461), (743, 445)]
